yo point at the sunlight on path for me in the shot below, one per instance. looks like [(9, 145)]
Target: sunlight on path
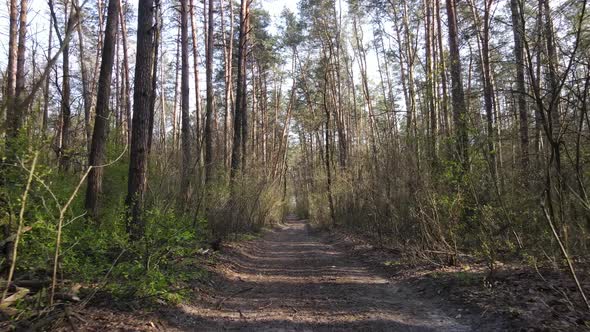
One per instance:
[(293, 281)]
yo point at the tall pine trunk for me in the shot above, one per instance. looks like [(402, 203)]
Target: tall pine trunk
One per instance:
[(136, 184), (457, 92), (11, 71), (240, 100), (184, 88), (209, 139), (517, 30), (66, 112), (101, 120)]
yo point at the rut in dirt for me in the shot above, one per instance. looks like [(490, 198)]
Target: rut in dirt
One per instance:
[(291, 280)]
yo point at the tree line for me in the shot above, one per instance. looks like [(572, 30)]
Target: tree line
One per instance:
[(443, 127), (471, 137), (111, 141)]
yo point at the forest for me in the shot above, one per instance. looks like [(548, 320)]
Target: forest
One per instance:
[(139, 137)]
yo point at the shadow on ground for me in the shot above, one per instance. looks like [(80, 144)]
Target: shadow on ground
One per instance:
[(291, 280)]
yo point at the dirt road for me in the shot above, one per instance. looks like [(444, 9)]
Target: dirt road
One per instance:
[(291, 280)]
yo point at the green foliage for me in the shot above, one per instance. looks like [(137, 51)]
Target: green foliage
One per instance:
[(92, 249)]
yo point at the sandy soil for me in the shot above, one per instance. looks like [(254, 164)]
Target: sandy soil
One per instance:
[(295, 280)]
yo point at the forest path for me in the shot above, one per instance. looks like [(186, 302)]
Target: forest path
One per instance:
[(291, 280)]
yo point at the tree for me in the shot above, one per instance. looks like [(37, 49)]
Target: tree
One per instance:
[(430, 87), (101, 120), (228, 70), (154, 96), (184, 88), (517, 30), (136, 185), (198, 110), (209, 135), (12, 116), (483, 34), (240, 124), (86, 93), (457, 93), (45, 118), (63, 153), (125, 69), (17, 112)]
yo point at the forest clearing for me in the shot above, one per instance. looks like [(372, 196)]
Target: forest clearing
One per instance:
[(310, 165)]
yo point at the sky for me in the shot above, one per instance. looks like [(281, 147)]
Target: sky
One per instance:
[(38, 20), (39, 28)]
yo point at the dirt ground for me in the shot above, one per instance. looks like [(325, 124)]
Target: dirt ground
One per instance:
[(296, 279), (291, 280)]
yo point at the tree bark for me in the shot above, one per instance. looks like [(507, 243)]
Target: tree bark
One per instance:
[(140, 129), (457, 92), (443, 71), (184, 88), (430, 94), (126, 82), (86, 95), (154, 96), (175, 102), (240, 100), (209, 139), (483, 36), (246, 24), (12, 114), (327, 157), (16, 70), (554, 122), (518, 30), (65, 135), (196, 76), (228, 62), (46, 87), (20, 66), (101, 120)]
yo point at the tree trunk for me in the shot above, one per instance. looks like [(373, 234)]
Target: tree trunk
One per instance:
[(457, 93), (101, 120), (443, 71), (554, 122), (240, 100), (327, 157), (209, 157), (430, 94), (86, 95), (15, 85), (184, 88), (175, 103), (228, 62), (488, 88), (140, 128), (12, 114), (196, 76), (154, 96), (246, 24), (126, 83), (518, 30), (95, 72), (16, 70), (64, 157), (20, 67), (46, 87)]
